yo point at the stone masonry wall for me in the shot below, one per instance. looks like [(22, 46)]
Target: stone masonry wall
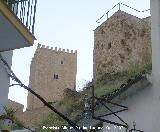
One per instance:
[(121, 42), (32, 118), (16, 106), (51, 72)]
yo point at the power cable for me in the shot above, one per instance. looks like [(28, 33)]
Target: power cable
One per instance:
[(14, 78)]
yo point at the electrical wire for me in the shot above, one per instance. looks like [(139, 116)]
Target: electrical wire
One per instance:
[(119, 4), (15, 78)]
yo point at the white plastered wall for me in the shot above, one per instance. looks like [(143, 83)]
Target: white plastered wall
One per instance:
[(144, 107), (4, 80)]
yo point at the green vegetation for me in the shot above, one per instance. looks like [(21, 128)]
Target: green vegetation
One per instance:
[(3, 127), (51, 120), (72, 104), (142, 31), (10, 112), (109, 82)]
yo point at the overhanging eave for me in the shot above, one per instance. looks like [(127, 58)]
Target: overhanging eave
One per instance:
[(13, 34)]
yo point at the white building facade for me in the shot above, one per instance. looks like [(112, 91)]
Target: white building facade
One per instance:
[(4, 80), (14, 34), (144, 107)]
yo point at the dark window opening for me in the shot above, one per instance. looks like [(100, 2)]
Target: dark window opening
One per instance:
[(61, 62), (122, 61), (102, 46), (122, 57), (55, 76), (109, 45)]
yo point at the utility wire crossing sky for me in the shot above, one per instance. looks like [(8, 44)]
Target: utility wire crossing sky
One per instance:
[(68, 25)]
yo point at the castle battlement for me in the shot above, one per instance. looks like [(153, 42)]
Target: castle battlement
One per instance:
[(56, 49), (52, 70)]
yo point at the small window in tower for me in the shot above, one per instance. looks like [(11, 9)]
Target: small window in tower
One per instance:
[(61, 62), (109, 45), (55, 76)]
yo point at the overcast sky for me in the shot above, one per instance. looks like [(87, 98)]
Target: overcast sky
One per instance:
[(67, 24)]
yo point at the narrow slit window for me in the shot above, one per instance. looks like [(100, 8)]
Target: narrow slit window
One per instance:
[(55, 76), (109, 45)]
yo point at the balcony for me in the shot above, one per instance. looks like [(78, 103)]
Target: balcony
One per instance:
[(17, 20)]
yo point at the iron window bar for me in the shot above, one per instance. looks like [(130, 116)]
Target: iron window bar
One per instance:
[(135, 130), (124, 108), (124, 124), (112, 112), (107, 99), (25, 11), (18, 81)]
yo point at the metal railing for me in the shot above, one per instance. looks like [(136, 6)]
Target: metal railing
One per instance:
[(25, 10), (119, 5)]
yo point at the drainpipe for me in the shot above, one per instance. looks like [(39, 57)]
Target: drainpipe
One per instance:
[(155, 39)]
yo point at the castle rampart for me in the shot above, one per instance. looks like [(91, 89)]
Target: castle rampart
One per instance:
[(120, 43), (56, 49), (52, 70), (15, 106)]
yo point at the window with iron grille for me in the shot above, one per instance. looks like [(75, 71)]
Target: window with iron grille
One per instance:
[(55, 76)]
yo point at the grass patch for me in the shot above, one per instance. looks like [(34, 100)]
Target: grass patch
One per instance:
[(72, 104)]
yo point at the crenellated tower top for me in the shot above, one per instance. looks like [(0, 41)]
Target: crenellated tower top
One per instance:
[(56, 49)]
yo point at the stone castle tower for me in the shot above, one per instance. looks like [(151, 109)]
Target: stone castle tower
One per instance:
[(121, 42), (51, 71)]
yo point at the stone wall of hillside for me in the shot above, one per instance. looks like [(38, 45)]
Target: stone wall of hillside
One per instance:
[(120, 43)]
